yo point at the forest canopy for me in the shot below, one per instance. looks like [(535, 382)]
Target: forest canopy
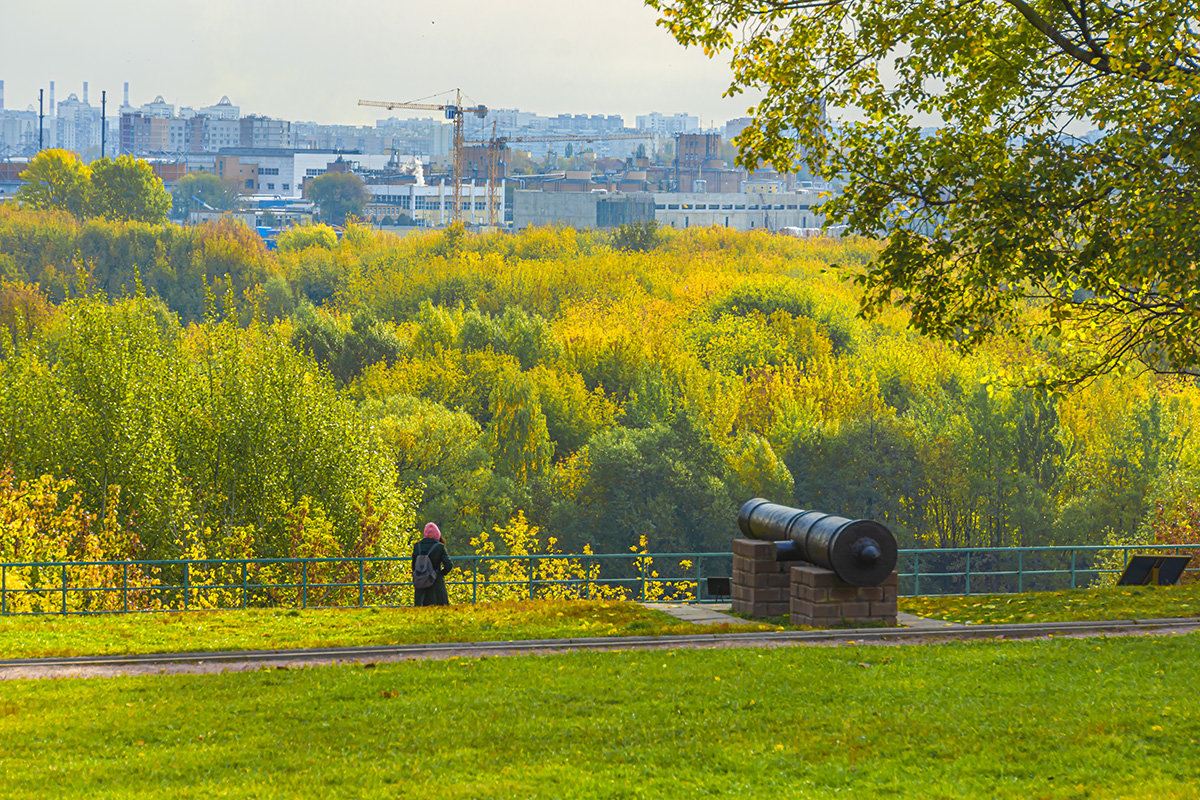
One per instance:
[(324, 398)]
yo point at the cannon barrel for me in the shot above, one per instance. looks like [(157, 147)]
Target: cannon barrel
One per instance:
[(861, 551)]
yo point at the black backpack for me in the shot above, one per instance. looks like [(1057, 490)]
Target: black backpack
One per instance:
[(424, 574)]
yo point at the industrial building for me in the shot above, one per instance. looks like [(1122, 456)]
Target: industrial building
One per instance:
[(434, 205), (581, 210), (743, 211)]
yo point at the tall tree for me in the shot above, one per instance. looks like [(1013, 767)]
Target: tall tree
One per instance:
[(338, 195), (126, 188), (517, 436), (55, 180), (198, 190), (1009, 202)]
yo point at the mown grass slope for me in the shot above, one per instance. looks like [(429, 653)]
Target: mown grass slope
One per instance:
[(1091, 718)]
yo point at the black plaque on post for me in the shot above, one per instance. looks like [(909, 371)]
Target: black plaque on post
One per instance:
[(1145, 570), (719, 587)]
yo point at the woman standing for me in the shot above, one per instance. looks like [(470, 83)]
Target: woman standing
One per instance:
[(431, 545)]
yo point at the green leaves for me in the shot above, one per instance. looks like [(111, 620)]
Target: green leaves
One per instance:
[(339, 195), (1005, 204), (207, 431), (124, 188)]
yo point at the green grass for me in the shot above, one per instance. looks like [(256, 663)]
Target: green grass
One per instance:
[(1106, 603), (1058, 718), (27, 637)]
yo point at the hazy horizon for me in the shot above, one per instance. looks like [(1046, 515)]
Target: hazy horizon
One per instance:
[(297, 61)]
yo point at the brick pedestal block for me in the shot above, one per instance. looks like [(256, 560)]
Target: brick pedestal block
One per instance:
[(820, 599), (761, 585)]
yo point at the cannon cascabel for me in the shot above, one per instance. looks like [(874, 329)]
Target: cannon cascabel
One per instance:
[(861, 552)]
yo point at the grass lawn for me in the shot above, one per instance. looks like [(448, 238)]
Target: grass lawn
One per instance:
[(1109, 602), (185, 631), (1058, 718)]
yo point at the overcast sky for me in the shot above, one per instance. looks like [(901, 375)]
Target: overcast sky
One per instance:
[(308, 60)]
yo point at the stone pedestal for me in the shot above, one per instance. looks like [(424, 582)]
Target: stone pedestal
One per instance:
[(761, 585), (820, 599)]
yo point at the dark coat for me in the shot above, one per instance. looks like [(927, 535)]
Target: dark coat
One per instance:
[(434, 595)]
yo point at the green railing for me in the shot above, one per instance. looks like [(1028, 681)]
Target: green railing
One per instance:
[(1009, 570), (128, 586), (131, 586)]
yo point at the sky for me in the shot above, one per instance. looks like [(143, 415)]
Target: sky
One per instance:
[(304, 60)]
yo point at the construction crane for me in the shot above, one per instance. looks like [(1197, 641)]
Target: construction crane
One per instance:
[(454, 112), (498, 143)]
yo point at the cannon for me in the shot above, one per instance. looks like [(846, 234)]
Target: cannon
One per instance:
[(861, 552)]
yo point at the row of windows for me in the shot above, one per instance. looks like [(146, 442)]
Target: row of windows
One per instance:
[(432, 204), (380, 209), (268, 170), (727, 207)]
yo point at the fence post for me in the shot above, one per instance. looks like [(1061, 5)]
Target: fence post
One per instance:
[(916, 574), (64, 588), (642, 569), (187, 582), (474, 580), (304, 584), (1020, 571), (360, 583), (1072, 567), (125, 587), (699, 576), (968, 573)]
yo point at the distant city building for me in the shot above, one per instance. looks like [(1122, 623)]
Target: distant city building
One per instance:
[(743, 211), (735, 126), (791, 212), (256, 131), (158, 108), (77, 124), (143, 134), (224, 109), (668, 125), (434, 205), (580, 210), (665, 169)]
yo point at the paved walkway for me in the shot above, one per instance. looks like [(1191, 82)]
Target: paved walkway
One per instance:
[(199, 663), (713, 615), (700, 614)]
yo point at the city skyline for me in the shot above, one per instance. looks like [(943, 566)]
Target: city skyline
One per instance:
[(292, 61)]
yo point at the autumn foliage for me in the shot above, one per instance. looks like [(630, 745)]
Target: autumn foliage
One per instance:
[(538, 393)]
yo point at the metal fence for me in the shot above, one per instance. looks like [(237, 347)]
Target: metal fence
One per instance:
[(100, 587), (1009, 570)]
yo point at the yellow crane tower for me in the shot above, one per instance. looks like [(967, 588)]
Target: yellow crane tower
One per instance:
[(454, 112)]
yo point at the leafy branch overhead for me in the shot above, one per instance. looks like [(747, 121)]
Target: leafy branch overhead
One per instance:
[(1055, 189)]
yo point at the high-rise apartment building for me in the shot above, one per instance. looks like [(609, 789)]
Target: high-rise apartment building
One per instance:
[(668, 125)]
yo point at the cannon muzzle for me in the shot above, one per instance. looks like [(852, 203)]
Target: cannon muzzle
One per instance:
[(861, 551)]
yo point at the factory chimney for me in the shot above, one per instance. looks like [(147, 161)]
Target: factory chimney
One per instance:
[(126, 103), (52, 100), (85, 102)]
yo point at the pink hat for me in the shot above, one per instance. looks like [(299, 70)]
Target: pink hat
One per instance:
[(432, 532)]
